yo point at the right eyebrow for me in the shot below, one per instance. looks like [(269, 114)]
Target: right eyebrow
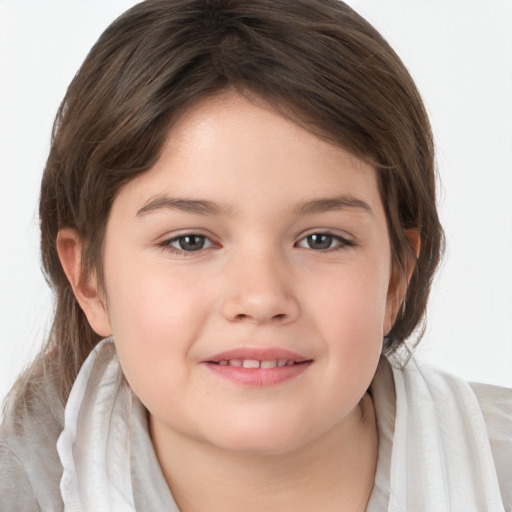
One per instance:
[(326, 204), (197, 206)]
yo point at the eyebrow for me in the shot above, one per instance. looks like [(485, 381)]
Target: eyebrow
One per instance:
[(327, 204), (205, 207), (197, 206)]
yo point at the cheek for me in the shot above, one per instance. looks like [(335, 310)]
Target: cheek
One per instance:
[(351, 312), (155, 318), (354, 298), (151, 297)]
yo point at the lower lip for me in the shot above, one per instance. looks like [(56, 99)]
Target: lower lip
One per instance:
[(259, 377)]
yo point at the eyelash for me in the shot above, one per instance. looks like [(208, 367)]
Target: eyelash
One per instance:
[(342, 243), (167, 244)]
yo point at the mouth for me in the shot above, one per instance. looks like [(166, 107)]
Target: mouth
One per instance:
[(255, 363), (258, 367)]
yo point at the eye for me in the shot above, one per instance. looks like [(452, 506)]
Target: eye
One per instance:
[(189, 242), (323, 241)]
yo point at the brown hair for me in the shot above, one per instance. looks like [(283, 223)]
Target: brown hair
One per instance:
[(316, 61)]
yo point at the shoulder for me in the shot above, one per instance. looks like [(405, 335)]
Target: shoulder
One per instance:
[(495, 403), (484, 411), (15, 488), (496, 406), (443, 444), (30, 468)]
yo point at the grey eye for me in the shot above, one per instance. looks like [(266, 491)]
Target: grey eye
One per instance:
[(319, 241), (189, 242), (324, 242)]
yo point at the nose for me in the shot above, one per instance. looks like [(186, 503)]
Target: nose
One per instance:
[(260, 291)]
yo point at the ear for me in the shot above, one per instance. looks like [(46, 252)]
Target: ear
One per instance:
[(399, 281), (85, 288)]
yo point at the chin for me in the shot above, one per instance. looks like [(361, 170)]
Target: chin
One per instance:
[(260, 447), (261, 440)]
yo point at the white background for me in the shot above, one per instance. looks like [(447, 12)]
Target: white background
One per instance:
[(460, 54)]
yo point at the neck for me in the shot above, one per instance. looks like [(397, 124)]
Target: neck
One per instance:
[(335, 472)]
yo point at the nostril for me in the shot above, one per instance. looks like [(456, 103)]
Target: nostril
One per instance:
[(260, 308), (241, 317)]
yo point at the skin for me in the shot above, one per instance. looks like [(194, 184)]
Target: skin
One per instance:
[(309, 442)]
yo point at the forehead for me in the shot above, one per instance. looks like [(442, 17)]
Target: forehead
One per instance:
[(232, 149)]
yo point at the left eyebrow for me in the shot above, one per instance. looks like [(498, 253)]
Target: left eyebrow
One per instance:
[(196, 206), (327, 204)]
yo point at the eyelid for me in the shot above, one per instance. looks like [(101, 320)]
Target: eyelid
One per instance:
[(344, 240), (166, 243)]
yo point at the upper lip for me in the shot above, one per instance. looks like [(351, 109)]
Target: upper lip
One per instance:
[(258, 354)]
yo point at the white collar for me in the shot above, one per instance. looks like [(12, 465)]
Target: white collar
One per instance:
[(94, 446)]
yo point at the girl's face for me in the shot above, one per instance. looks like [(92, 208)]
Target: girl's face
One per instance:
[(248, 281)]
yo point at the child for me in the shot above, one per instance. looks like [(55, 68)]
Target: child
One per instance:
[(238, 219)]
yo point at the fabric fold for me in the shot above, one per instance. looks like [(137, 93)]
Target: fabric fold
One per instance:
[(94, 446), (441, 459)]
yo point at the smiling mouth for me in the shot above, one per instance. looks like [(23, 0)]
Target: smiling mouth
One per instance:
[(258, 372), (255, 363)]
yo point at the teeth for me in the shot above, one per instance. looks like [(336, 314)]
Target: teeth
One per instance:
[(251, 363), (254, 363)]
